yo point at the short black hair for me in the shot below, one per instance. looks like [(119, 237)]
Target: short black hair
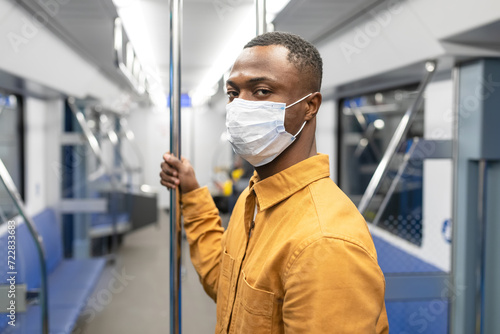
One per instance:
[(301, 53)]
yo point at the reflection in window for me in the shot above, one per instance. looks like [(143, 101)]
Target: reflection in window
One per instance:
[(11, 148), (368, 123)]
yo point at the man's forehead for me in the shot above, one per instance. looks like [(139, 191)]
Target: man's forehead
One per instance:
[(267, 53), (264, 62)]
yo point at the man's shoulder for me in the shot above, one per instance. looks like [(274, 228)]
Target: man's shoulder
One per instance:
[(337, 217)]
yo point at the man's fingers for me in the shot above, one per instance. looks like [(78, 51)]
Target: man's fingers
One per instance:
[(172, 160), (168, 185), (168, 170), (169, 179)]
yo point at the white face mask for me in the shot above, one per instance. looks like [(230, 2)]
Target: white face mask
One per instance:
[(256, 129)]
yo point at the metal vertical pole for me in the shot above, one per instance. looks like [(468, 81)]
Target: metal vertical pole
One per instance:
[(481, 245), (175, 149), (260, 15)]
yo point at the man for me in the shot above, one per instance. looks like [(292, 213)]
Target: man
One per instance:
[(297, 256)]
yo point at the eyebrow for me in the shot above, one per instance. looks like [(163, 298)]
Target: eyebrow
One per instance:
[(259, 79), (251, 81)]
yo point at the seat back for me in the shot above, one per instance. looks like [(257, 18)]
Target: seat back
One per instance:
[(27, 261), (4, 269), (48, 227)]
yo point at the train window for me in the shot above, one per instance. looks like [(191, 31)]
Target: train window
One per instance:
[(11, 147), (367, 124)]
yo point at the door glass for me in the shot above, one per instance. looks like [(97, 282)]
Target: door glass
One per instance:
[(409, 237), (10, 145)]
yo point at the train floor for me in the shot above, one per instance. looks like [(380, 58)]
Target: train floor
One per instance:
[(132, 295)]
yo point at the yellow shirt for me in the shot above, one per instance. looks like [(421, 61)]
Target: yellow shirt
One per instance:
[(307, 264)]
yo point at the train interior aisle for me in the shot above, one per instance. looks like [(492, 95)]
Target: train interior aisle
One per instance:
[(91, 94), (139, 302)]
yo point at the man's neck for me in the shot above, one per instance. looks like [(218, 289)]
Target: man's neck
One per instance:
[(294, 154)]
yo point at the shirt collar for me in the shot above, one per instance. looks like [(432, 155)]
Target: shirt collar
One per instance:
[(282, 185)]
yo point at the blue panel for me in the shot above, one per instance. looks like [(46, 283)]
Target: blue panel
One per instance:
[(394, 260), (28, 265), (3, 264), (3, 322), (185, 101), (48, 227), (426, 317), (5, 100), (3, 274)]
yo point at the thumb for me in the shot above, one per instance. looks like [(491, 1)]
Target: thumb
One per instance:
[(172, 160)]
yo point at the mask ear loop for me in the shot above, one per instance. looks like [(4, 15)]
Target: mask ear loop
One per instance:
[(303, 124), (302, 99), (291, 105)]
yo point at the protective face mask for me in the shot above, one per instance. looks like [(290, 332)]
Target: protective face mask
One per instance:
[(256, 129)]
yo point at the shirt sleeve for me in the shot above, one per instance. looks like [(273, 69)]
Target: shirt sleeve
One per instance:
[(334, 286), (204, 234)]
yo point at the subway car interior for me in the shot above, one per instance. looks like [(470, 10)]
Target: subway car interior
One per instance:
[(93, 93)]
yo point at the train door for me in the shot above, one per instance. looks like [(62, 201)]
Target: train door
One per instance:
[(409, 213)]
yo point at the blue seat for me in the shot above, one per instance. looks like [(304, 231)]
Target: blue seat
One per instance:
[(70, 282), (392, 259), (405, 316), (3, 274)]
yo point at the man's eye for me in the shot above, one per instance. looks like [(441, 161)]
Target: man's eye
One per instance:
[(232, 94), (262, 92)]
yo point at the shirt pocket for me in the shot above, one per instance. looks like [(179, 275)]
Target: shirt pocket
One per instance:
[(223, 292), (255, 311)]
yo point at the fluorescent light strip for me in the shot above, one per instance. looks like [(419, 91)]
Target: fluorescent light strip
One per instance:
[(242, 35), (145, 70), (226, 58)]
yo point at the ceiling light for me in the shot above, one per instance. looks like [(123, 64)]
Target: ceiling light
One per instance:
[(379, 124), (226, 58), (140, 60)]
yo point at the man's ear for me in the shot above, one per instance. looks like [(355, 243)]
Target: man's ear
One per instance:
[(313, 104)]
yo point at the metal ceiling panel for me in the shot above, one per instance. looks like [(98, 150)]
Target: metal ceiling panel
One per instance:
[(315, 19), (87, 27)]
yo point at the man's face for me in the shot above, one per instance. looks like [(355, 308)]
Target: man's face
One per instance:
[(263, 73)]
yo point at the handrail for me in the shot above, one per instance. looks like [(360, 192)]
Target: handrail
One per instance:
[(114, 140), (175, 149), (91, 139), (396, 140), (260, 17), (16, 197), (96, 149), (395, 181), (129, 135)]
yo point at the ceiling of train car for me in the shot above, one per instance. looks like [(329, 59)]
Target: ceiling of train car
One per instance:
[(315, 19), (208, 27), (87, 26), (484, 36)]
